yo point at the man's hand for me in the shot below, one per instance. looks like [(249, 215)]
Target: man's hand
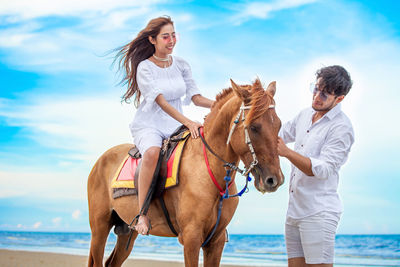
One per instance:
[(283, 150), (301, 162)]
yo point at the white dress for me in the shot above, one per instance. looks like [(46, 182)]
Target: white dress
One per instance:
[(151, 124)]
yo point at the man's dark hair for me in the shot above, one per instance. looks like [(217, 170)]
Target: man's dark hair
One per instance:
[(334, 80)]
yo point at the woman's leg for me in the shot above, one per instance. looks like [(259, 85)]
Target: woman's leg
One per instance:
[(149, 162)]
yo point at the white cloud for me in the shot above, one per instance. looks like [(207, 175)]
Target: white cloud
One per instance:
[(39, 182), (262, 10), (56, 220), (89, 125), (116, 20), (36, 47), (76, 214), (17, 36), (19, 225), (37, 225), (183, 18), (15, 39), (26, 9), (79, 48), (54, 50), (260, 213)]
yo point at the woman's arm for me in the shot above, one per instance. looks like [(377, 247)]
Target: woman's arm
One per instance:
[(170, 110), (202, 101)]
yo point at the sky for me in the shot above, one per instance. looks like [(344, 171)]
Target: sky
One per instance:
[(60, 97)]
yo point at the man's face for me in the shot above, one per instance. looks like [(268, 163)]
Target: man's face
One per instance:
[(323, 101)]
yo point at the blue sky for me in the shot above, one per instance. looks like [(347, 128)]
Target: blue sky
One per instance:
[(60, 100)]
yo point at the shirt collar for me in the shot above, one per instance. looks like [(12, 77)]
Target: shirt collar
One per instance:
[(333, 112)]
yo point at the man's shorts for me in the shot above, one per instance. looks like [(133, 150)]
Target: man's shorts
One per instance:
[(312, 237)]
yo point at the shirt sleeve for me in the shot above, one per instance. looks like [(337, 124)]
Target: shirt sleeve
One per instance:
[(334, 152), (191, 88), (288, 131), (147, 86)]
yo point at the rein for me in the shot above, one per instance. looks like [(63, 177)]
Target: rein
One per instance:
[(226, 164), (224, 194)]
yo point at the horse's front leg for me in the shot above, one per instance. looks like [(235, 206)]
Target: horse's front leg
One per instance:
[(191, 240), (212, 252)]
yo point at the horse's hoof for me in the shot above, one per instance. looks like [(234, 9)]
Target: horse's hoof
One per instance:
[(122, 229)]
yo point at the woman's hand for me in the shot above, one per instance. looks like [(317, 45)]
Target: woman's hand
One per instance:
[(193, 127)]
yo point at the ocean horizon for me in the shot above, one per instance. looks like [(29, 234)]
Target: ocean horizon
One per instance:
[(242, 249)]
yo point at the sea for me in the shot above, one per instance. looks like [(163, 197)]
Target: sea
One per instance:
[(249, 250)]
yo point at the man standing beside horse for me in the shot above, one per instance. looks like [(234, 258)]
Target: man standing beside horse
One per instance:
[(323, 136)]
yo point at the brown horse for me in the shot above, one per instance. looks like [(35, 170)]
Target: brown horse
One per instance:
[(192, 204)]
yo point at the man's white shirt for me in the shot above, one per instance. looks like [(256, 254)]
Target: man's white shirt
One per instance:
[(327, 143)]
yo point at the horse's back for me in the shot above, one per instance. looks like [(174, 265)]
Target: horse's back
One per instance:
[(106, 165)]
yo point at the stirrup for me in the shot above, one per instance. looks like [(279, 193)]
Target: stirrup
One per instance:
[(135, 219), (131, 227), (149, 227)]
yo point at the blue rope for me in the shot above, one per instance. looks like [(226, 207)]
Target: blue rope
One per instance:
[(227, 179), (216, 224), (226, 195)]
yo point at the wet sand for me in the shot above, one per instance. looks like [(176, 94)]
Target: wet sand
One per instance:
[(17, 258)]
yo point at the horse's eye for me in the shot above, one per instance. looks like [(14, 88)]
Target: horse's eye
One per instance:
[(254, 128)]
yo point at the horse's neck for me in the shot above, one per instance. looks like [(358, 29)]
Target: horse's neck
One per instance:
[(216, 131)]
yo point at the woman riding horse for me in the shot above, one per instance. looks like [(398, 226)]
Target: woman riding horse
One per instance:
[(242, 125), (162, 80)]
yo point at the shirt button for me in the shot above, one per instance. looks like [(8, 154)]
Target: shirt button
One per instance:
[(308, 131), (301, 145), (291, 191)]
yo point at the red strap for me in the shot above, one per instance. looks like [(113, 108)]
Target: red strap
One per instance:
[(221, 191)]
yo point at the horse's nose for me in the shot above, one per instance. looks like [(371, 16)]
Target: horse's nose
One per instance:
[(271, 181)]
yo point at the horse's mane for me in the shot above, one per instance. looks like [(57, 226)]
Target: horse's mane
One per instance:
[(220, 100), (258, 100), (222, 97)]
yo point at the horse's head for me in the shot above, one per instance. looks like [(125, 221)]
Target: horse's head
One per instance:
[(262, 125)]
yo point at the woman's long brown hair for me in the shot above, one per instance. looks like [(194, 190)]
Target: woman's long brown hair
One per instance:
[(139, 49)]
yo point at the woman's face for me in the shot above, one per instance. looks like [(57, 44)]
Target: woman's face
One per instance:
[(165, 41)]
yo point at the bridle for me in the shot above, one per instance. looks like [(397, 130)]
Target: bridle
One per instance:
[(230, 166), (247, 139)]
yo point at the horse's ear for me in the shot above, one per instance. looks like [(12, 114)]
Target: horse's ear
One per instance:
[(242, 93), (271, 89)]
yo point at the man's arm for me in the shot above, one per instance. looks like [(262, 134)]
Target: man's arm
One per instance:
[(334, 152), (301, 162)]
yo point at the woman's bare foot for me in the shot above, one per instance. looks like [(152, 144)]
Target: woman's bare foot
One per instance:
[(143, 225)]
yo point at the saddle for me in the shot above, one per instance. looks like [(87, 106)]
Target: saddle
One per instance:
[(165, 176)]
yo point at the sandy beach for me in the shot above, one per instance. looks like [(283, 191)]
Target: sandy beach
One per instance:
[(17, 258)]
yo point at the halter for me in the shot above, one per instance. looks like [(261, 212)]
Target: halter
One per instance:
[(225, 193), (247, 139)]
